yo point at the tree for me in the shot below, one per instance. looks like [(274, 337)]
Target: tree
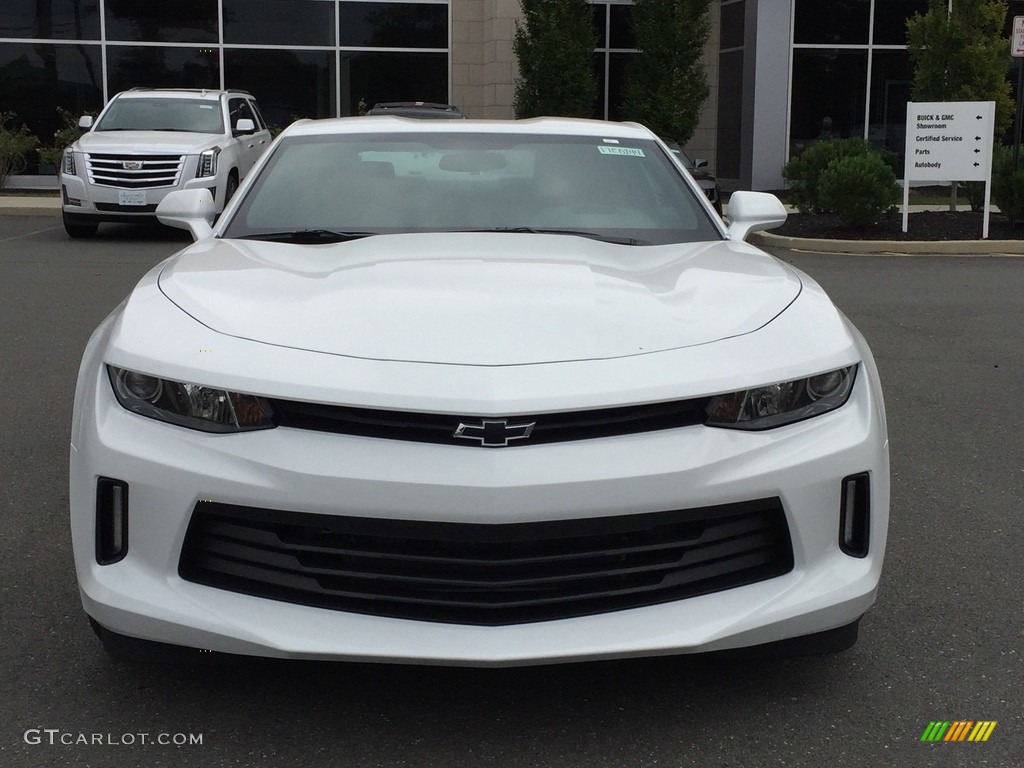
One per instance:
[(666, 84), (962, 56), (555, 49)]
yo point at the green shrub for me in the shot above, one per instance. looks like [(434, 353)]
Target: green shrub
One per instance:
[(803, 171), (65, 136), (1008, 184), (14, 145), (859, 188)]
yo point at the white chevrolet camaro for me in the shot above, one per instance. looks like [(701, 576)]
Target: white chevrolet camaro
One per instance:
[(476, 392)]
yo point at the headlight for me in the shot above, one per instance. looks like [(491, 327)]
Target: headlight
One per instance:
[(68, 163), (208, 163), (784, 403), (188, 405)]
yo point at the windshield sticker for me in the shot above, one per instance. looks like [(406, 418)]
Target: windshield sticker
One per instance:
[(631, 151), (610, 141)]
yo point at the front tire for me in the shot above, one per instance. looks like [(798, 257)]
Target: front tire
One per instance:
[(78, 226)]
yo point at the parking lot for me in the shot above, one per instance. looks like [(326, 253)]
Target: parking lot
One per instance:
[(944, 642)]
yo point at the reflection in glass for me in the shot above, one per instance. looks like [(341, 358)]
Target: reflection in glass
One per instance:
[(393, 25), (288, 85), (829, 86), (279, 22), (891, 78), (891, 20), (367, 78), (166, 21), (161, 67), (56, 19), (833, 22), (35, 79)]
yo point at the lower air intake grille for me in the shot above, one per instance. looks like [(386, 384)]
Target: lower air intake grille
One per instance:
[(485, 574)]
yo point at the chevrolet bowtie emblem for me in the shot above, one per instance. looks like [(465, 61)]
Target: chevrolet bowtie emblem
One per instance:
[(494, 433)]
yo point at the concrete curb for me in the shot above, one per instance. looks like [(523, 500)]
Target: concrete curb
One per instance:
[(893, 247), (29, 204)]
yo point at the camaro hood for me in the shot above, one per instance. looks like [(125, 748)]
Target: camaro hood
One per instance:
[(127, 142), (479, 299)]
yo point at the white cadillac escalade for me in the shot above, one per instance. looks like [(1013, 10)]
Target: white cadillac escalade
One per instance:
[(149, 142)]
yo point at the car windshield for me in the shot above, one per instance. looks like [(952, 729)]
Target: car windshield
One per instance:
[(620, 190), (163, 114)]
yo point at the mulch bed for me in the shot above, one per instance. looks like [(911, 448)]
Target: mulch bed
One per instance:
[(926, 225)]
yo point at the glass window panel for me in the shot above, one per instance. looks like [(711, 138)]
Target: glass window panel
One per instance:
[(393, 25), (733, 19), (279, 22), (165, 21), (833, 22), (891, 20), (368, 78), (35, 79), (600, 21), (621, 32), (288, 85), (891, 78), (828, 95), (161, 67), (618, 63), (600, 106), (57, 19), (730, 113)]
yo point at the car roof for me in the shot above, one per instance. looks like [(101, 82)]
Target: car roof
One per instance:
[(554, 126), (169, 93), (426, 109)]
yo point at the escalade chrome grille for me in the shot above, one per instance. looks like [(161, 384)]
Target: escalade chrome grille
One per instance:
[(135, 171), (485, 574)]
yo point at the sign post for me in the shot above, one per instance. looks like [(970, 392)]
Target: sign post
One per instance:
[(1017, 51), (949, 141)]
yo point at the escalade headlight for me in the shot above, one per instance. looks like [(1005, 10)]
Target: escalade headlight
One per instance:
[(67, 164), (784, 403), (188, 405), (208, 163)]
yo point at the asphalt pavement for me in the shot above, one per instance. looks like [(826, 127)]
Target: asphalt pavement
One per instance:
[(943, 643)]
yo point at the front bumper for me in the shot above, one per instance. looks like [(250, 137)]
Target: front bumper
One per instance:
[(169, 469)]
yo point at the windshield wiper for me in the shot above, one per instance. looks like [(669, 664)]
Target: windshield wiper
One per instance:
[(577, 232), (308, 236)]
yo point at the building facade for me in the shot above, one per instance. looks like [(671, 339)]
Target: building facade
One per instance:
[(782, 72)]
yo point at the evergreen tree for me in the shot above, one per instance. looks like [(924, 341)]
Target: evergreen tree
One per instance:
[(962, 56), (555, 49), (666, 84)]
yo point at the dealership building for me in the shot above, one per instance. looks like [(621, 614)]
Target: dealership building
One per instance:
[(782, 72)]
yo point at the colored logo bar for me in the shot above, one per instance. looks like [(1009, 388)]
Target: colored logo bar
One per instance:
[(958, 730)]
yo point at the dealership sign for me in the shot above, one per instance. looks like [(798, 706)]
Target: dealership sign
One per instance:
[(949, 141)]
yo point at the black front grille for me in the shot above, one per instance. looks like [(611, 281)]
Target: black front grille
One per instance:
[(442, 428), (115, 208), (485, 574)]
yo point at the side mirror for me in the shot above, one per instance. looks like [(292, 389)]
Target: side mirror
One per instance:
[(191, 209), (753, 212), (245, 125), (85, 122), (700, 164)]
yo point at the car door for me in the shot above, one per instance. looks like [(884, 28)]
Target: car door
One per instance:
[(251, 144)]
